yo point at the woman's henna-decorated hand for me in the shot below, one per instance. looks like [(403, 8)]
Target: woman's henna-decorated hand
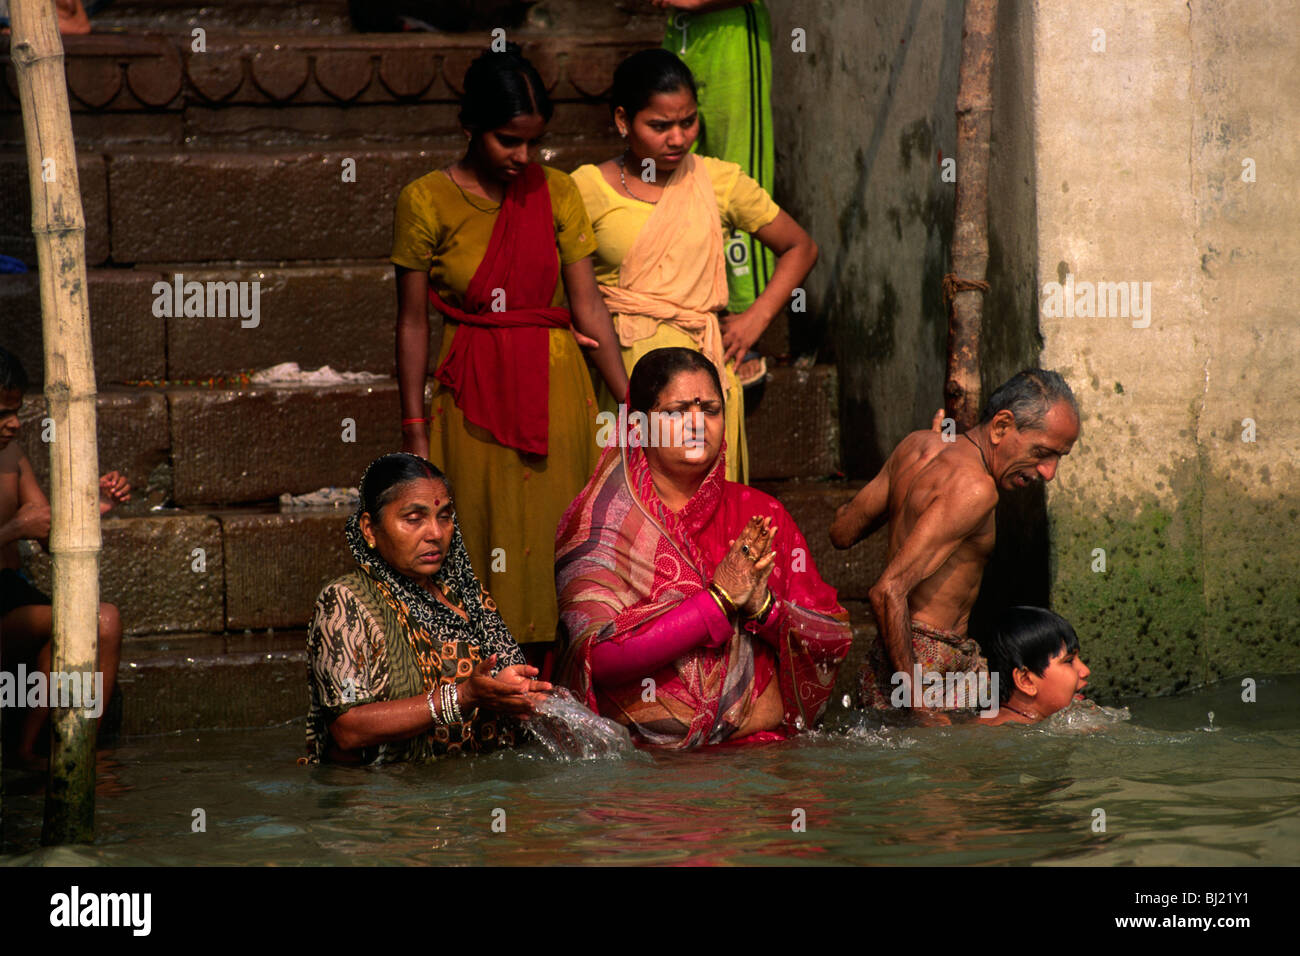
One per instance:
[(740, 572), (758, 597)]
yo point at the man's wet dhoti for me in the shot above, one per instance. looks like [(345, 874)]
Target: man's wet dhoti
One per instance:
[(936, 649)]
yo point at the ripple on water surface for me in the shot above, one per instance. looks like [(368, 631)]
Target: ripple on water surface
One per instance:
[(1174, 788)]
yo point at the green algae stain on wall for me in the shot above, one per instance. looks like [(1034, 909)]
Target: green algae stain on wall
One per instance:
[(1252, 586), (1200, 590), (1141, 623)]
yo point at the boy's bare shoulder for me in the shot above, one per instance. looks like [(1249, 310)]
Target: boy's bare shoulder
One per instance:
[(12, 458)]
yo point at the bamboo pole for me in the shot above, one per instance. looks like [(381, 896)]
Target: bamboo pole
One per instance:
[(36, 51), (964, 288)]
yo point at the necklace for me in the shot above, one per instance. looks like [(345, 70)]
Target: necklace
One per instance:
[(1021, 713), (465, 195), (966, 435), (622, 178)]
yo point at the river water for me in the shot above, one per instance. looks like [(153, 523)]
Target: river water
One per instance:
[(1158, 782)]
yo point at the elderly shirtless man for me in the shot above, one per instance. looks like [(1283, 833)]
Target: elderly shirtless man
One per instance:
[(940, 496)]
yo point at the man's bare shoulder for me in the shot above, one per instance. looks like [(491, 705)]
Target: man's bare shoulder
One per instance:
[(963, 477), (916, 448)]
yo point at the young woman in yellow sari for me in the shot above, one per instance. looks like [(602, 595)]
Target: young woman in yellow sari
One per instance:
[(494, 242), (659, 212)]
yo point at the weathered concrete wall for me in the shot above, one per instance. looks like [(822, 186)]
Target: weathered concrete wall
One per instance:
[(1141, 137), (861, 119), (1018, 572), (1117, 157), (864, 120)]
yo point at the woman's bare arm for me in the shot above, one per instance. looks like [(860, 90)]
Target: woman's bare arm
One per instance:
[(796, 255), (412, 356), (591, 318)]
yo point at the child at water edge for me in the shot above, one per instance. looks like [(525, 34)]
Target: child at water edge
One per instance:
[(1035, 656), (26, 617)]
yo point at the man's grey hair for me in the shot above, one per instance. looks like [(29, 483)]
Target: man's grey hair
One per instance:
[(1028, 395)]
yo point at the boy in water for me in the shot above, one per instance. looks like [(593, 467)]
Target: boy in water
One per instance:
[(1035, 655), (26, 617)]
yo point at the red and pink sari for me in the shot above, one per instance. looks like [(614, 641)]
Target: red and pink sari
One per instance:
[(623, 559)]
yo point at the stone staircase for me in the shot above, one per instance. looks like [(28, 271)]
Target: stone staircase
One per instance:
[(227, 165)]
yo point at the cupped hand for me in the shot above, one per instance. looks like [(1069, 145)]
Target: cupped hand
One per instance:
[(512, 691), (739, 573)]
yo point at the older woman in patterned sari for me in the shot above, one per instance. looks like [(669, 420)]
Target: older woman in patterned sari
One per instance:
[(407, 655), (692, 611)]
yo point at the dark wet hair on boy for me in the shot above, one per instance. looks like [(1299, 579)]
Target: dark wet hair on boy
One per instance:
[(654, 370), (501, 86), (644, 74), (13, 377), (1026, 637), (385, 475)]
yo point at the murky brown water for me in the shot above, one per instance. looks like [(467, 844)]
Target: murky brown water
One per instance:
[(1173, 790)]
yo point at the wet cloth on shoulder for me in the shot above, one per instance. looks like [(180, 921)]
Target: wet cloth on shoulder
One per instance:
[(937, 650), (623, 559), (377, 636)]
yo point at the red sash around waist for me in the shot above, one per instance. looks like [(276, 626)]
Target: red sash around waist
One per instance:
[(498, 364)]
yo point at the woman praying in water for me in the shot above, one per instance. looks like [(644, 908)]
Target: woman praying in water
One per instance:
[(659, 212), (408, 658), (692, 609), (493, 242)]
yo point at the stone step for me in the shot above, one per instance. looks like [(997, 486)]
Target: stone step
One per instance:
[(332, 16), (250, 205), (150, 87), (193, 446), (812, 505), (312, 314), (794, 430), (188, 682), (214, 570), (271, 205)]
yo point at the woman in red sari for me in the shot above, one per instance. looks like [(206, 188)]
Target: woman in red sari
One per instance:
[(691, 609), (501, 247)]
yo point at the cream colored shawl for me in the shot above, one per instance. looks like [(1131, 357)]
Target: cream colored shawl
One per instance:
[(675, 271)]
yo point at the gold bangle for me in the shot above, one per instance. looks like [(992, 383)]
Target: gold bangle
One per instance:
[(761, 614), (718, 601), (721, 592)]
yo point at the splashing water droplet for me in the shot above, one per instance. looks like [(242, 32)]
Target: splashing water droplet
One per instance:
[(568, 730)]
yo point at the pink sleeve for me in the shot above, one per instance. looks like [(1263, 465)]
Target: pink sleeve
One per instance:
[(656, 644)]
